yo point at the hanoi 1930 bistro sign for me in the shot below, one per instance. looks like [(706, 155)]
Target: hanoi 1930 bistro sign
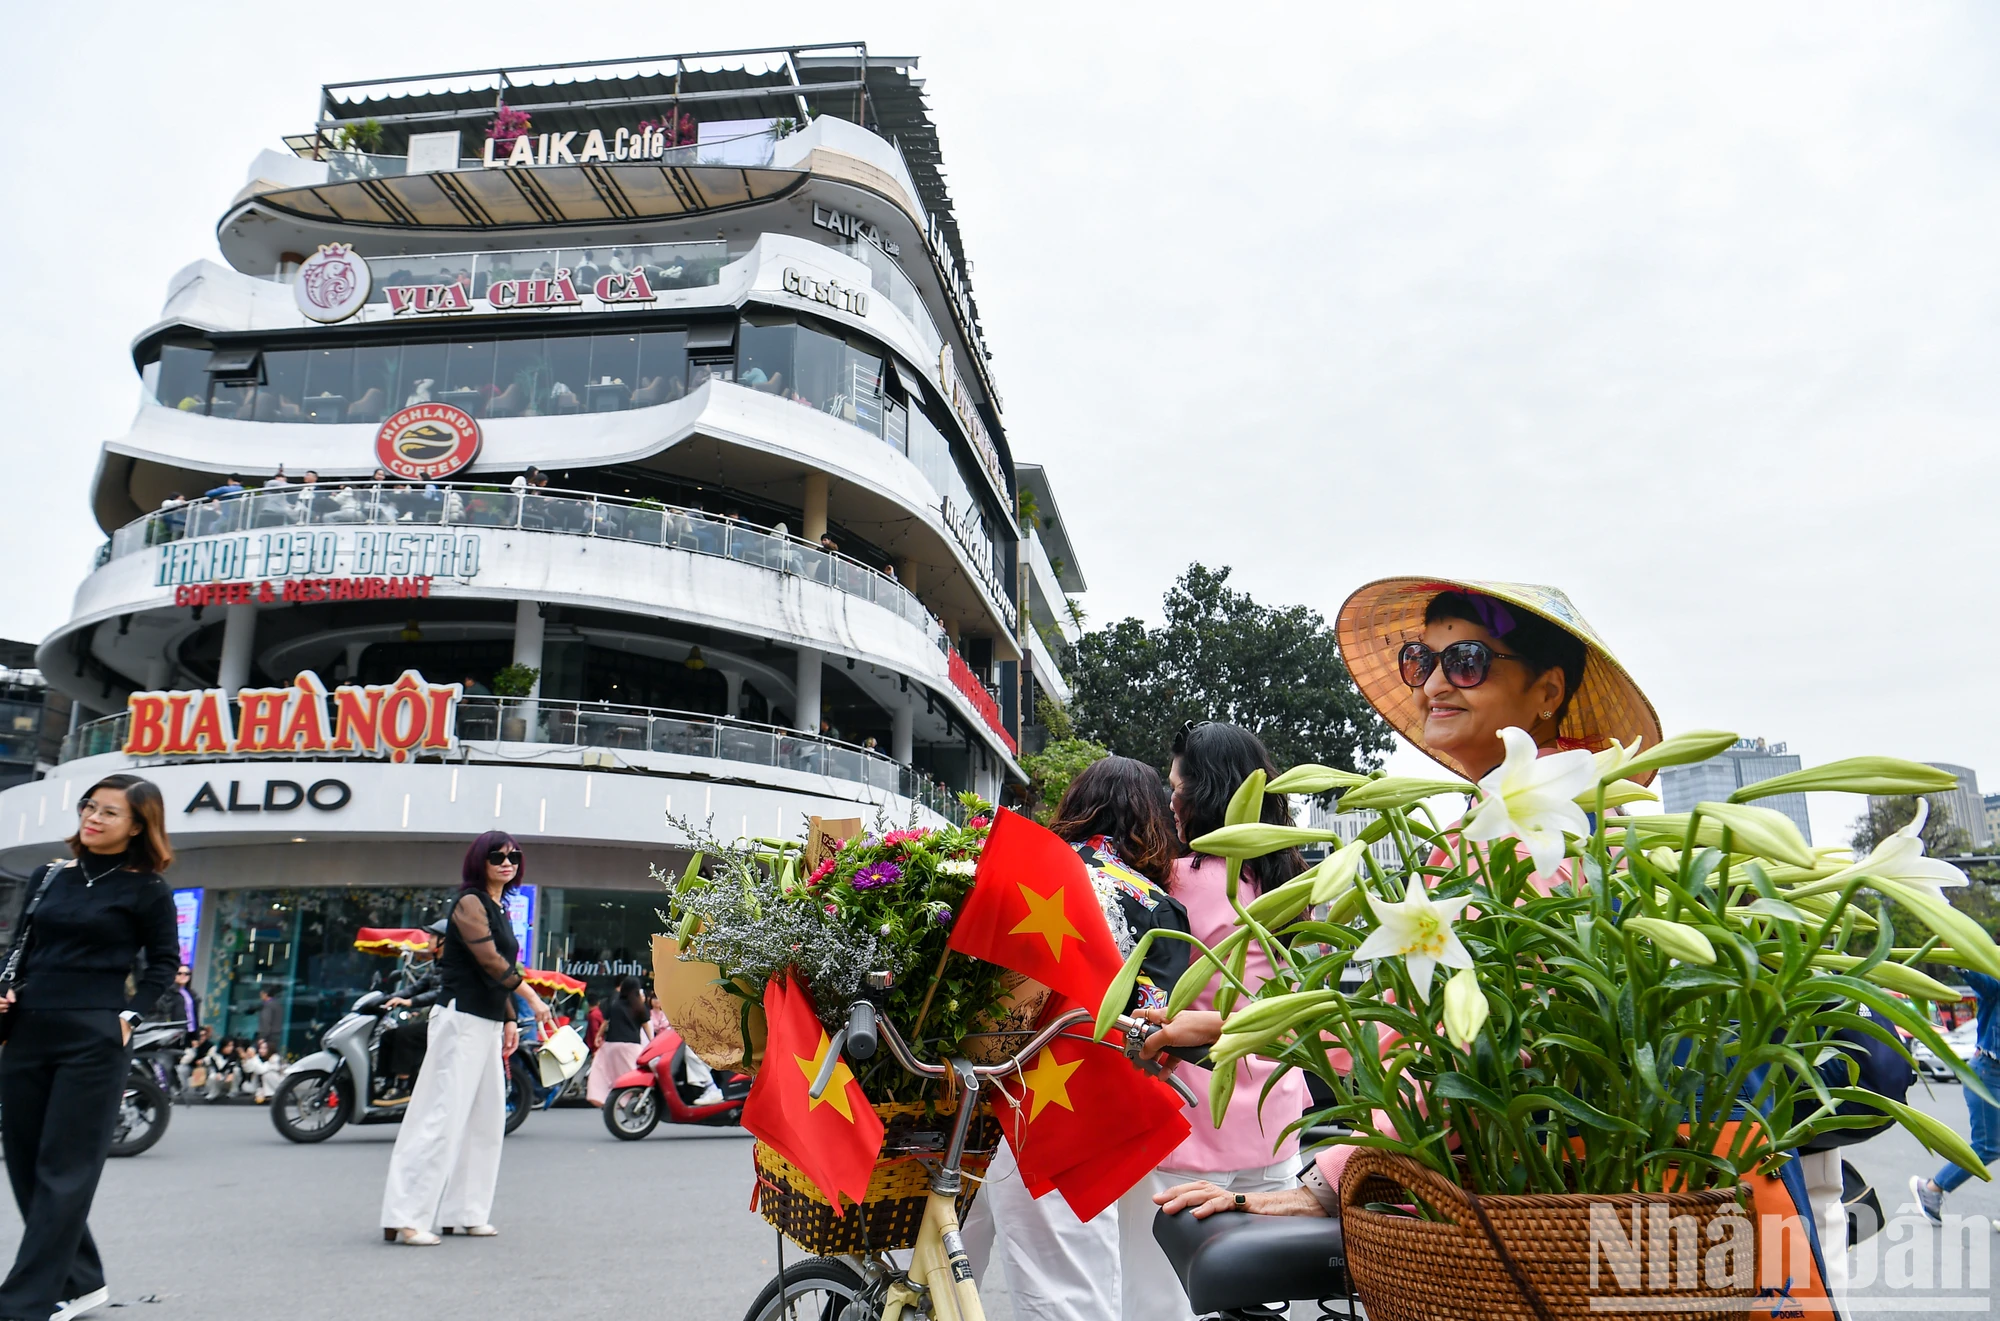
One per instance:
[(410, 717), (319, 557)]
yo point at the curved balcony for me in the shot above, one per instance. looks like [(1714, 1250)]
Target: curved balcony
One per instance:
[(378, 506), (487, 724)]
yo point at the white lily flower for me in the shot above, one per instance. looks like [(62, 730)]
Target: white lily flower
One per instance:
[(1533, 799), (1418, 931), (1901, 858), (1465, 1008)]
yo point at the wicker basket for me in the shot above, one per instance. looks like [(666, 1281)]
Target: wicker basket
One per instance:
[(897, 1192), (1526, 1258)]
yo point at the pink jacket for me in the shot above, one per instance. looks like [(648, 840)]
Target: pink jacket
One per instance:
[(1245, 1140)]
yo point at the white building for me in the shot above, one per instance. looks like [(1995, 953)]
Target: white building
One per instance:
[(776, 571)]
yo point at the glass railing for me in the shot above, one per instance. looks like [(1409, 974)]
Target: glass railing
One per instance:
[(486, 722), (569, 512)]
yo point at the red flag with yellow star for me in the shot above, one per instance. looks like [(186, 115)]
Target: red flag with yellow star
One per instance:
[(1087, 1122), (834, 1140), (1033, 910)]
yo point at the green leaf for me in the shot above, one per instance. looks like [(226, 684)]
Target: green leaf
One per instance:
[(1393, 791), (1581, 1111), (1313, 778), (1221, 1087), (1934, 1133), (1885, 777), (1203, 971), (1971, 946), (1119, 993), (1455, 1086)]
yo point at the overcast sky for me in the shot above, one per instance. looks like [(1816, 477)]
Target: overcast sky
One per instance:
[(1691, 311)]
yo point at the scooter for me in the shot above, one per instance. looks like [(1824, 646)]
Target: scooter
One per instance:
[(342, 1081), (657, 1088)]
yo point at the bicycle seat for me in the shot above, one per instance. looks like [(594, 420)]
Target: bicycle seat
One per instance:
[(1232, 1260)]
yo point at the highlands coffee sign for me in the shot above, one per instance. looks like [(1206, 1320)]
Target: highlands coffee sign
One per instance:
[(410, 717)]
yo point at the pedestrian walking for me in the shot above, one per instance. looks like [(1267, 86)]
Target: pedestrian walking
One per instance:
[(181, 1003), (1929, 1193), (68, 1025), (271, 1018), (447, 1157), (625, 1019)]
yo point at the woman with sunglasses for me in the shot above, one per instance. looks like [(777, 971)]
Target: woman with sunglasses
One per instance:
[(68, 1024), (447, 1157), (1450, 665)]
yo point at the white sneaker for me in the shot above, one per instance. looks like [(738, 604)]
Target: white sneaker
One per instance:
[(74, 1307)]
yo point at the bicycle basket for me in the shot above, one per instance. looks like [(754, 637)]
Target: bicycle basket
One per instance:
[(893, 1211)]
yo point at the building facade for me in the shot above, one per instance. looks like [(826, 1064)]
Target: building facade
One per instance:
[(590, 452), (1712, 781), (1965, 803)]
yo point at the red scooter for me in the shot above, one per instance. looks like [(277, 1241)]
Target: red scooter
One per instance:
[(657, 1087)]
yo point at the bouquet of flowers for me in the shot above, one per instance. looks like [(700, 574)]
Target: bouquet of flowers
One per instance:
[(1643, 1002), (884, 901)]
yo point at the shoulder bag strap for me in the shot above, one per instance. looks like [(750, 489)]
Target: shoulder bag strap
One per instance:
[(49, 874)]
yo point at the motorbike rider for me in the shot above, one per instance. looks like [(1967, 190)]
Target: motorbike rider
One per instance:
[(403, 1045)]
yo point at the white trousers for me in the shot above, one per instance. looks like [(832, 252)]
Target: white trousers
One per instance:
[(447, 1156), (1110, 1268), (1823, 1189)]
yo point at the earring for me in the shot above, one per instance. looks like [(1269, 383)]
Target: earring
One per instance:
[(1548, 715)]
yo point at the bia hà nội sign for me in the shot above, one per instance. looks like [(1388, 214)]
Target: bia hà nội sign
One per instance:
[(407, 718)]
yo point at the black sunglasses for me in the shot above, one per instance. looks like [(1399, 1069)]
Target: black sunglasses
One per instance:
[(1466, 664), (498, 856)]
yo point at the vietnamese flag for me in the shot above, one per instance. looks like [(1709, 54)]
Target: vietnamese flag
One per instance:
[(1088, 1123), (1033, 910), (833, 1140)]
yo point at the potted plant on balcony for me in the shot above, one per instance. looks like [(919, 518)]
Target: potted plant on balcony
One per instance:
[(1634, 1009), (508, 124), (514, 682)]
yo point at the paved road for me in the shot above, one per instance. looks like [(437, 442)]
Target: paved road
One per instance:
[(224, 1221)]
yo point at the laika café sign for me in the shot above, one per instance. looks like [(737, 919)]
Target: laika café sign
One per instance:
[(400, 720), (625, 144)]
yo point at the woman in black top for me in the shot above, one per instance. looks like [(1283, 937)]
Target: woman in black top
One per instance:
[(625, 1017), (447, 1156), (68, 1022)]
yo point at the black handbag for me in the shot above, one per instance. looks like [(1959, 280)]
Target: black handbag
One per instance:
[(7, 976)]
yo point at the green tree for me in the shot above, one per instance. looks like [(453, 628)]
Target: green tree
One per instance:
[(1060, 761), (1942, 837), (1222, 656)]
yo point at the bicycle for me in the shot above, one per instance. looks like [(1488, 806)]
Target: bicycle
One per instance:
[(938, 1284)]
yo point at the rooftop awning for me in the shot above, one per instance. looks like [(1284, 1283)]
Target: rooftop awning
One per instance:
[(556, 194)]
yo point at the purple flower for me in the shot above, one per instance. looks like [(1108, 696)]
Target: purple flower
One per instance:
[(943, 916), (877, 874)]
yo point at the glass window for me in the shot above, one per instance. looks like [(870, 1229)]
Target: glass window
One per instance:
[(662, 368), (232, 400), (469, 372), (183, 378), (520, 375), (284, 386), (614, 371), (374, 382), (422, 376), (864, 389), (329, 384), (569, 372), (764, 356), (820, 361)]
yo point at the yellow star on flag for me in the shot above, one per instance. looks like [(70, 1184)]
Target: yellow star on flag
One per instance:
[(1049, 1081), (1046, 919), (835, 1094)]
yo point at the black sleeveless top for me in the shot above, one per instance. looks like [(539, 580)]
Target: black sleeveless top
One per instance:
[(468, 986)]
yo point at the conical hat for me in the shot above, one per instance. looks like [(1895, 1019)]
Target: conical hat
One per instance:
[(1380, 617)]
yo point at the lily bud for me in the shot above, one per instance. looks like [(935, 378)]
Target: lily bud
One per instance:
[(1465, 1009)]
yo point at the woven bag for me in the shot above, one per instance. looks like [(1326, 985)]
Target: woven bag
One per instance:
[(893, 1211), (1529, 1257)]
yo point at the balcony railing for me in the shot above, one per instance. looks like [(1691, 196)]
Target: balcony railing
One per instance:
[(486, 722), (573, 513)]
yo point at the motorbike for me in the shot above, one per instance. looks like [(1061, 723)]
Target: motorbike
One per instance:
[(657, 1088), (342, 1082), (145, 1108)]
